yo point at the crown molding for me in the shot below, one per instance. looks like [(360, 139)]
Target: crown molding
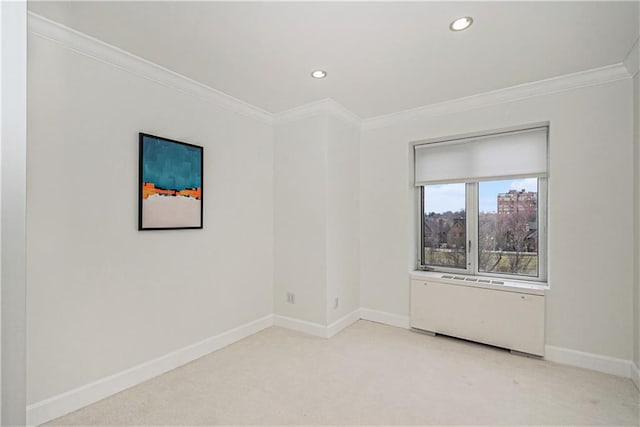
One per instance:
[(325, 106), (98, 50), (567, 82)]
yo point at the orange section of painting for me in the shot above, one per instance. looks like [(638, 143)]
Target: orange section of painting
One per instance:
[(196, 193), (149, 189)]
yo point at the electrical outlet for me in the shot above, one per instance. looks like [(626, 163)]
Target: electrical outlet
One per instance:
[(336, 303), (291, 298)]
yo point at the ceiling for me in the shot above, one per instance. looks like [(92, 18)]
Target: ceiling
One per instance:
[(381, 57)]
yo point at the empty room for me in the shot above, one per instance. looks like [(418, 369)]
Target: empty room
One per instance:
[(319, 213)]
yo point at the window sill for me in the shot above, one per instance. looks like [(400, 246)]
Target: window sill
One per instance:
[(509, 285)]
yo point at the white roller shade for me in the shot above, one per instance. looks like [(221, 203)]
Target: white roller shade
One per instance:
[(492, 156)]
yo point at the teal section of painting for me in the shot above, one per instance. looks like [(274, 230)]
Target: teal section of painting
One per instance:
[(171, 166)]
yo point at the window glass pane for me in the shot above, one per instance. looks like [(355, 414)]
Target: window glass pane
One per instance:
[(508, 227), (444, 225)]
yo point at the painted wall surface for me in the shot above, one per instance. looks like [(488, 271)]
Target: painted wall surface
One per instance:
[(102, 296), (636, 103), (589, 306), (13, 128), (316, 218), (636, 180), (343, 210), (300, 220)]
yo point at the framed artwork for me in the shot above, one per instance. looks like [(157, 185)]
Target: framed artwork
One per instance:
[(170, 184)]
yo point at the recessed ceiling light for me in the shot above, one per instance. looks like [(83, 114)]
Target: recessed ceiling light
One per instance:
[(461, 23), (319, 74)]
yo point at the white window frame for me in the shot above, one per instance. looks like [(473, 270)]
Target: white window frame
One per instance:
[(471, 212)]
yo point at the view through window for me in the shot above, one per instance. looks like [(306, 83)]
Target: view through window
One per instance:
[(508, 227), (482, 227), (444, 227)]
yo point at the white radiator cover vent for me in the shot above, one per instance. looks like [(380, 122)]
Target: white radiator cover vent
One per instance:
[(503, 316), (473, 279)]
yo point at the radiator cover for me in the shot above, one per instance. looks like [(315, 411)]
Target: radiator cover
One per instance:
[(501, 316)]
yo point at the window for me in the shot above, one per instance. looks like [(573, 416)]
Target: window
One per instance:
[(508, 227), (483, 204), (444, 229)]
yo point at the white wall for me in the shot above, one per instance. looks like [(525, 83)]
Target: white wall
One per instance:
[(102, 296), (13, 91), (589, 306), (300, 188), (632, 63), (636, 180), (636, 103), (343, 209), (316, 217)]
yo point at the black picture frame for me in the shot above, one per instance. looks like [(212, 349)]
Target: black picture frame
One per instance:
[(168, 195)]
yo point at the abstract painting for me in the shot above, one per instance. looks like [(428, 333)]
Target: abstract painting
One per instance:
[(170, 184)]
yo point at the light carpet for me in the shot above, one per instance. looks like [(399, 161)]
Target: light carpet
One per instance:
[(368, 374)]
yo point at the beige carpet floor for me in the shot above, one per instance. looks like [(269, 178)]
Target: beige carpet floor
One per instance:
[(368, 374)]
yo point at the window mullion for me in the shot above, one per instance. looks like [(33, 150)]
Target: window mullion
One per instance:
[(472, 227)]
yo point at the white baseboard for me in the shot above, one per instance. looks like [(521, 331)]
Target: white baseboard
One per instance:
[(316, 329), (342, 323), (310, 328), (67, 402), (595, 362), (384, 317), (64, 403), (635, 375)]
